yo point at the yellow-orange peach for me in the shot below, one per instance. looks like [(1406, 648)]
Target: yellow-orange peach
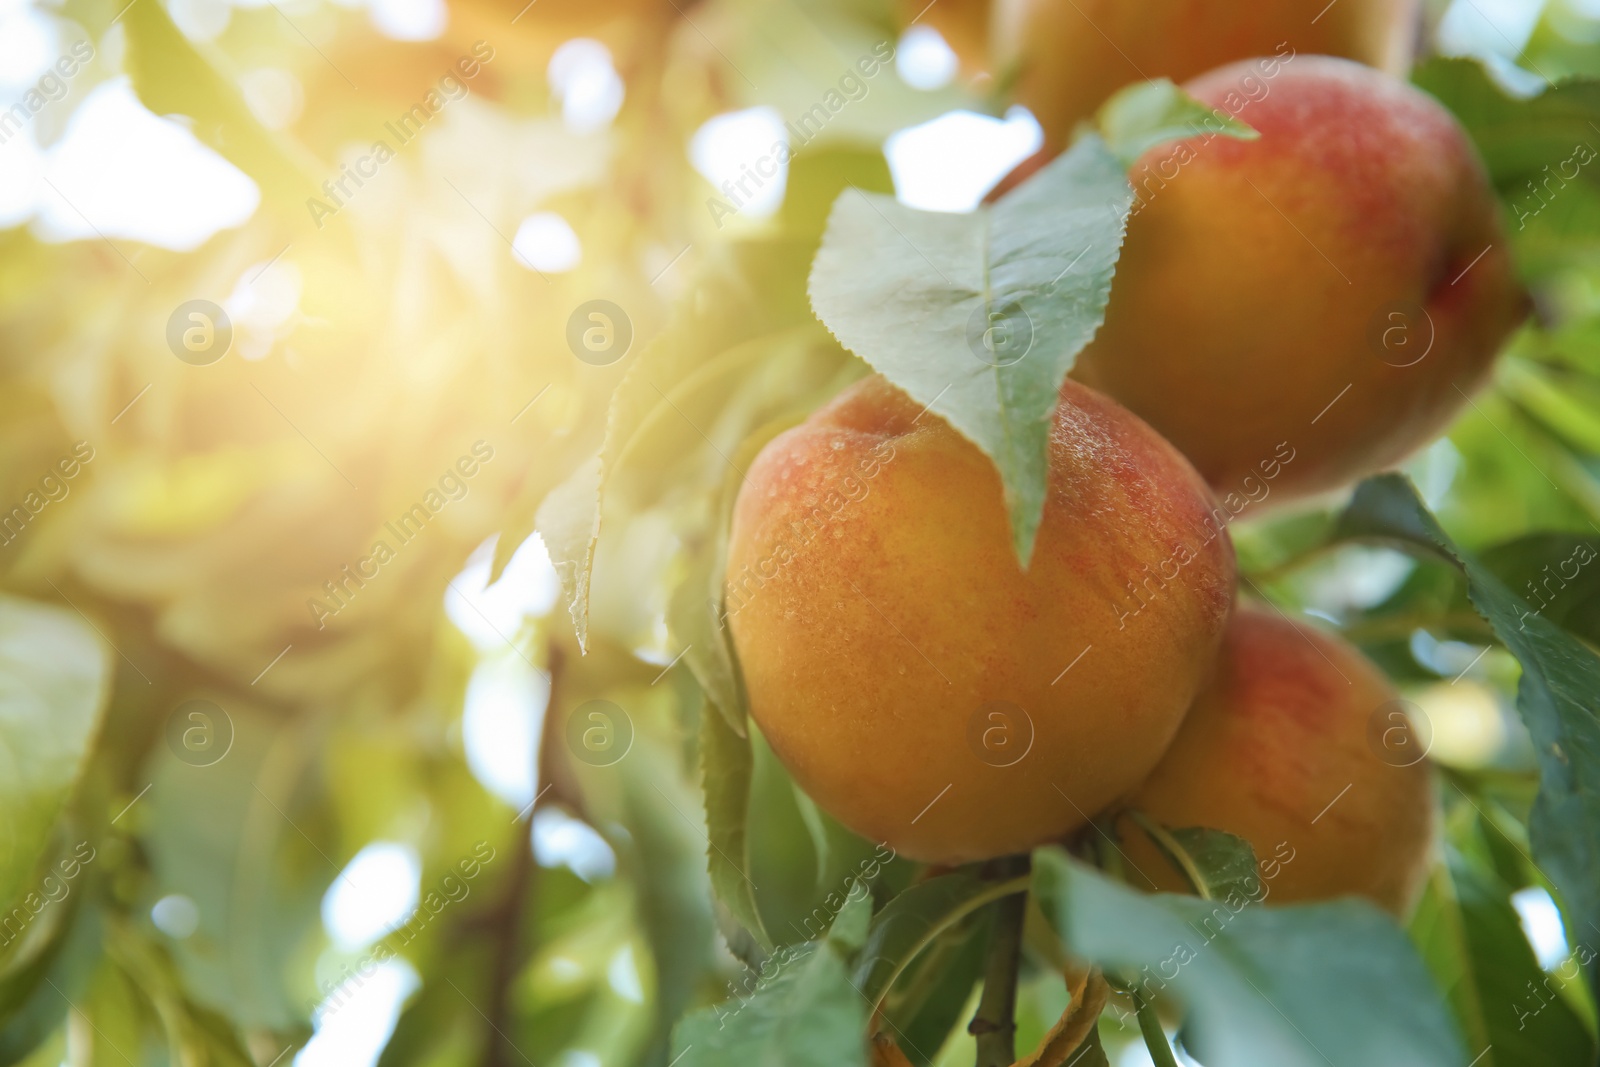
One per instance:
[(1299, 745), (915, 680), (1070, 55), (1332, 291)]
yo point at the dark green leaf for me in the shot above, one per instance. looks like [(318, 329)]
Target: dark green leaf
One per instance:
[(1527, 1022), (1260, 987), (1553, 572), (911, 921), (1556, 695)]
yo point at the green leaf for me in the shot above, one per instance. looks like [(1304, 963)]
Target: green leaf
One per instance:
[(1560, 677), (1527, 1022), (930, 1000), (803, 1013), (1553, 572), (1150, 113), (569, 522), (744, 330), (36, 999), (174, 76), (55, 674), (233, 836), (1517, 137), (980, 316), (726, 765), (1328, 984), (850, 926), (911, 921)]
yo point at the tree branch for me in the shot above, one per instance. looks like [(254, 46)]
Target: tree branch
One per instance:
[(995, 1025)]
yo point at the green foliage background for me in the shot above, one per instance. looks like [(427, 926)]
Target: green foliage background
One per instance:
[(179, 567)]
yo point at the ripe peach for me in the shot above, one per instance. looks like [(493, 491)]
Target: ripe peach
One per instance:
[(916, 681), (1073, 54), (1331, 291), (1298, 745)]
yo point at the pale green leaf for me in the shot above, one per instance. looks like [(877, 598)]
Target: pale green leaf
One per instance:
[(1324, 985), (1150, 113), (980, 316)]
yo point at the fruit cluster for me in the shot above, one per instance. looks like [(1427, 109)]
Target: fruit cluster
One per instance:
[(1289, 314)]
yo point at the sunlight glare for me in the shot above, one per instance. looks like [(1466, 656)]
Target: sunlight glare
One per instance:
[(375, 893), (586, 82), (728, 148), (949, 163), (545, 242), (355, 1034), (123, 172), (924, 60), (1541, 921)]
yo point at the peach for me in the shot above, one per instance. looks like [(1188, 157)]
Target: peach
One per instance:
[(1331, 292), (1071, 55), (1300, 746), (921, 685)]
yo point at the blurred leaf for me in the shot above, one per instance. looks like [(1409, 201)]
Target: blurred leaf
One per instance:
[(817, 177), (55, 674), (1560, 678), (725, 767), (1517, 138), (745, 292), (38, 998), (803, 1013), (1555, 568), (175, 77), (929, 1000), (1150, 113), (911, 921), (232, 837), (569, 522), (120, 1022), (673, 894), (1526, 1023), (849, 930), (1223, 864), (1266, 987), (980, 316)]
